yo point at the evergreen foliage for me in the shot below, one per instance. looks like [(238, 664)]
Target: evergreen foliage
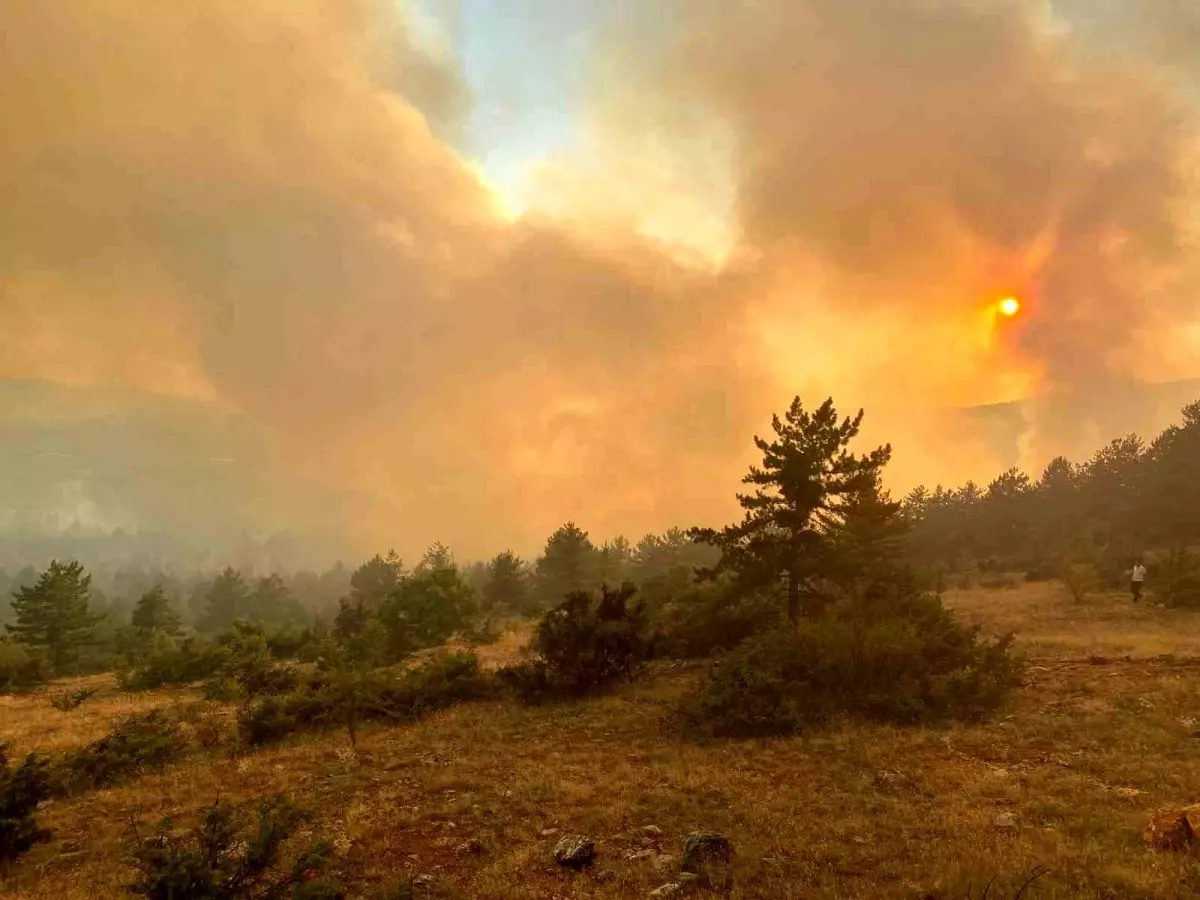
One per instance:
[(140, 743), (52, 616), (227, 600), (584, 645), (1127, 502), (566, 566), (224, 858), (892, 655), (345, 696), (22, 788), (802, 491), (154, 612), (507, 585)]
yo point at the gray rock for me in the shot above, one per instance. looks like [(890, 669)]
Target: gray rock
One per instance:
[(651, 831), (708, 855), (673, 887), (575, 851)]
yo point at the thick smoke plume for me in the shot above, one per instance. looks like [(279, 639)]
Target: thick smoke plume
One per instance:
[(257, 207)]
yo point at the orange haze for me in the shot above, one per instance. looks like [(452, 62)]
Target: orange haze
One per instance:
[(252, 205)]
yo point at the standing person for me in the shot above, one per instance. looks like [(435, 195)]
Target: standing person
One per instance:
[(1139, 576)]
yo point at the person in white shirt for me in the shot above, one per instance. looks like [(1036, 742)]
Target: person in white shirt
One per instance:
[(1139, 576)]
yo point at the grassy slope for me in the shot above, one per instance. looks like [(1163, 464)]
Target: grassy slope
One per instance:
[(1086, 750)]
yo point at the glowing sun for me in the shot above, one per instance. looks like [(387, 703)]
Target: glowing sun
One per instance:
[(1009, 306)]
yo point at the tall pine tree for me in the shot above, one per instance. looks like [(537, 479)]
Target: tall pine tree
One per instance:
[(53, 615), (507, 584), (567, 565), (228, 599), (807, 481), (155, 613)]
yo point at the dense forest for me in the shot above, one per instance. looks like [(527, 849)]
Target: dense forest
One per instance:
[(1130, 501)]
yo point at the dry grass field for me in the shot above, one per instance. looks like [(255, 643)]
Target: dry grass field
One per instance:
[(1106, 729)]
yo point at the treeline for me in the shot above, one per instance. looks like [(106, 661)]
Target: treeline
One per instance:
[(1130, 501), (59, 622), (807, 606)]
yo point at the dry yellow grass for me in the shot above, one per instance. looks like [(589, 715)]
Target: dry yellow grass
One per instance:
[(1065, 778), (28, 721), (1050, 623)]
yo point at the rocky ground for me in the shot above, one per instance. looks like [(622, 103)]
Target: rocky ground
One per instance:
[(477, 801)]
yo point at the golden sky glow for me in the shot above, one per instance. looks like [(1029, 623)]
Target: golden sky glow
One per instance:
[(268, 208)]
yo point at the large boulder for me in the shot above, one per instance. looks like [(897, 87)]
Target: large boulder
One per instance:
[(709, 856), (575, 851)]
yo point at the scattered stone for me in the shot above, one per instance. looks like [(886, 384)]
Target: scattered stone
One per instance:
[(652, 831), (44, 803), (472, 847), (708, 855), (1172, 829), (1127, 792), (550, 832), (1005, 822), (688, 877), (638, 855), (605, 876), (575, 851), (671, 887), (421, 882)]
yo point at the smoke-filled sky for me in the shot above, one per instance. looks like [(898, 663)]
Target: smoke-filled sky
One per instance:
[(461, 270)]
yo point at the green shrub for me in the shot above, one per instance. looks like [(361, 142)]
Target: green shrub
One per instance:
[(141, 742), (172, 662), (223, 859), (251, 675), (583, 647), (22, 788), (69, 700), (343, 698), (19, 668), (711, 617), (425, 609), (290, 643), (895, 656)]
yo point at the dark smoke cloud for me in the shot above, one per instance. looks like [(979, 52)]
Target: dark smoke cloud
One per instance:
[(257, 207)]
